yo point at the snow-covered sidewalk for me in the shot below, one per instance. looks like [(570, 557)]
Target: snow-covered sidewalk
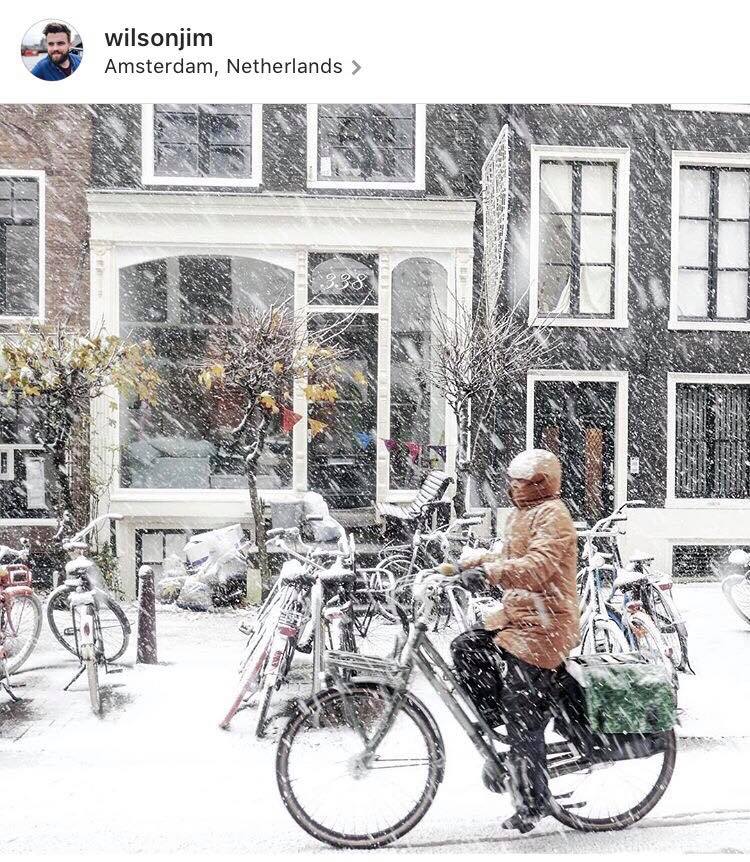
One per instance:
[(156, 774)]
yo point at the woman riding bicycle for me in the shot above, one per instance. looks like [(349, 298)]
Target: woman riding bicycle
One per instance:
[(509, 670)]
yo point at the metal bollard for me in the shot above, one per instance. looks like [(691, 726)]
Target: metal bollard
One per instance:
[(146, 616)]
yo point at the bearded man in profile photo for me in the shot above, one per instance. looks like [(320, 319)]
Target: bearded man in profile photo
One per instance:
[(59, 62)]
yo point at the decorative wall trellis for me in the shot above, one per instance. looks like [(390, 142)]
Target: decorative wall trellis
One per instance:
[(495, 193)]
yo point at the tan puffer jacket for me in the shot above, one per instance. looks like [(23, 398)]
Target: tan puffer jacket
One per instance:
[(537, 567)]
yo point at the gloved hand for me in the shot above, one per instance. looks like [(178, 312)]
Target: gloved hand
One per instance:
[(473, 580), (471, 558)]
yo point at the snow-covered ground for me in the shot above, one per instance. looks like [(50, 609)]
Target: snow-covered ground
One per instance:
[(157, 775)]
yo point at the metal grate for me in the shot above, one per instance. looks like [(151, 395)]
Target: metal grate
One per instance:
[(712, 458), (701, 562)]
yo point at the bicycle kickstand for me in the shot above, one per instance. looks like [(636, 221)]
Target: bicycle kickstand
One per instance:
[(81, 669), (11, 694)]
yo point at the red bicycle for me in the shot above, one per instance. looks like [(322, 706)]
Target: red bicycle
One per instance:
[(20, 615)]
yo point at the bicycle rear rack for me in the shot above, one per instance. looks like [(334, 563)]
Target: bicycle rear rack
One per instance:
[(364, 665)]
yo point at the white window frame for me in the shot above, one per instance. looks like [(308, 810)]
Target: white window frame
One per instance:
[(620, 379), (40, 177), (420, 140), (707, 160), (672, 501), (150, 178), (718, 108), (621, 157)]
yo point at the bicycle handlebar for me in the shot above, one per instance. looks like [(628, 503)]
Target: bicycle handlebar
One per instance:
[(77, 540)]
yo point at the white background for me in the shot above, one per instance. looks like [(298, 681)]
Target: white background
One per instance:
[(461, 51)]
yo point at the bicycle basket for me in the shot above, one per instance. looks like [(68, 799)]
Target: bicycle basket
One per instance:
[(15, 575), (624, 693)]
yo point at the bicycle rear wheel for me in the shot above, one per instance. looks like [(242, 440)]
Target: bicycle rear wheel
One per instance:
[(339, 798), (114, 624), (610, 796), (26, 623)]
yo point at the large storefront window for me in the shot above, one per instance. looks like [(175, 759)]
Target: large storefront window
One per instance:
[(186, 441), (417, 409)]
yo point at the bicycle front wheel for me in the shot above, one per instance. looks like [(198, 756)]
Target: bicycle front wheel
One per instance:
[(92, 672), (338, 795), (736, 589), (26, 622), (114, 624), (609, 796)]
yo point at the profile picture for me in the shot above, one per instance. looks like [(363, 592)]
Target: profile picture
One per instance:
[(52, 50)]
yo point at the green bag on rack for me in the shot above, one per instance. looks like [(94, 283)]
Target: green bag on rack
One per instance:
[(624, 693)]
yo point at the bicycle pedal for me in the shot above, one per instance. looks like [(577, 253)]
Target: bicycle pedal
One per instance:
[(69, 632), (115, 669), (245, 628)]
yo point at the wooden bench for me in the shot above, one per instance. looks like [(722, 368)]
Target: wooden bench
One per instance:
[(428, 499)]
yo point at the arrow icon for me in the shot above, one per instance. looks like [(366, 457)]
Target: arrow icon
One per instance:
[(357, 67)]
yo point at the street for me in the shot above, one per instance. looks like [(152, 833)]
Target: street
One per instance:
[(156, 774)]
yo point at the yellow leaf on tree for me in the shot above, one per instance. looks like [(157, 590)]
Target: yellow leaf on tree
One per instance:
[(278, 367), (359, 377), (269, 402)]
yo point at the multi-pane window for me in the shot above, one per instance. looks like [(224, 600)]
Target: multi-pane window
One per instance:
[(25, 470), (19, 246), (577, 231), (367, 143), (713, 267), (712, 452), (203, 141)]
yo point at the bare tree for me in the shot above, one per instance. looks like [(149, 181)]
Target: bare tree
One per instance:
[(476, 357), (257, 358)]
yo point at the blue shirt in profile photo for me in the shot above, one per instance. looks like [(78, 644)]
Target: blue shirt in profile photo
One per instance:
[(49, 71)]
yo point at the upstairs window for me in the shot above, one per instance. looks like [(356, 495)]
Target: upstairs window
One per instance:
[(579, 236), (20, 245), (366, 146), (712, 244), (202, 144)]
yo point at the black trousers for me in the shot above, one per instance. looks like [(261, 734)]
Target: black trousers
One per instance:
[(509, 691)]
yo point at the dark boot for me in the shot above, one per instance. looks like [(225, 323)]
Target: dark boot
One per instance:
[(522, 823)]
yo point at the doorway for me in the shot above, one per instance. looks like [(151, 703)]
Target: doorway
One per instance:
[(576, 421)]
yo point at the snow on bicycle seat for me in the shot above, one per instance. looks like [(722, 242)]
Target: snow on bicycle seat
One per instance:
[(641, 557), (626, 578)]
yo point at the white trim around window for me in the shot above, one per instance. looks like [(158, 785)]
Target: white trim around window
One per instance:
[(708, 160), (620, 379), (40, 176), (725, 108), (149, 178), (673, 379), (420, 142), (621, 157)]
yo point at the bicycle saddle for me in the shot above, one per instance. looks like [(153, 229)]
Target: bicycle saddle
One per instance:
[(628, 579)]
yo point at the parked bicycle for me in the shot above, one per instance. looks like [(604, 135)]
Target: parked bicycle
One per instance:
[(15, 592), (736, 585), (22, 608), (359, 764), (97, 641), (309, 607), (626, 606), (113, 623)]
